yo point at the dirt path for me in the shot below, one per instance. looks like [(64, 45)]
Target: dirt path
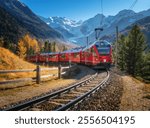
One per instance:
[(134, 93)]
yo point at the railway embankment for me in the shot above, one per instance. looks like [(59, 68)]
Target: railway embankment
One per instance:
[(105, 99), (122, 93)]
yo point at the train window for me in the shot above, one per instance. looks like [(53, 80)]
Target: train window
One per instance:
[(103, 47), (104, 51), (102, 44)]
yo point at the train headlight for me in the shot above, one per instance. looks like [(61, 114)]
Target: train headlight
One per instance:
[(104, 60)]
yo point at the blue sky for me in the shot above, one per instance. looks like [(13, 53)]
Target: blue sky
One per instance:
[(82, 9)]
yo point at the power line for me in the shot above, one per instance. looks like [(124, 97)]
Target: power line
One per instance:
[(132, 6), (102, 12)]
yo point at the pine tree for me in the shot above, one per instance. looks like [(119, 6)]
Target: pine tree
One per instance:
[(1, 41), (135, 46), (49, 47), (54, 46), (121, 52), (146, 67), (64, 48), (46, 46)]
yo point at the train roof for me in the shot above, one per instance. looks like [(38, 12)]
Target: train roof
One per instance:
[(74, 50), (50, 53), (92, 44)]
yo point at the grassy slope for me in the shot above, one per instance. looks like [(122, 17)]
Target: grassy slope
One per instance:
[(9, 61)]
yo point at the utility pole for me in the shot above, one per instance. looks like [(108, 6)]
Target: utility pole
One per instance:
[(87, 40), (117, 37)]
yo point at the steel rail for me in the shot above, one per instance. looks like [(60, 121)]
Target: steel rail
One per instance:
[(29, 103), (84, 96)]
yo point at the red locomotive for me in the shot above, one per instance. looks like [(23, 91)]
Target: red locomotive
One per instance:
[(98, 53)]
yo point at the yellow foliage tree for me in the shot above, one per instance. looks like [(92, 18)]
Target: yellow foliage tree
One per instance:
[(21, 49), (31, 44), (35, 46)]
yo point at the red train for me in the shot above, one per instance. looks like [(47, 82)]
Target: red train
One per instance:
[(98, 53)]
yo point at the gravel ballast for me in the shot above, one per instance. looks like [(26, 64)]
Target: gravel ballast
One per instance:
[(105, 99)]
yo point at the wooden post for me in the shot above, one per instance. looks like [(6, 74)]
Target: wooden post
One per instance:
[(70, 60), (59, 71), (38, 74)]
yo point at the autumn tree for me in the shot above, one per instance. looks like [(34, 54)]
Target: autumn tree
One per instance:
[(31, 44), (21, 49), (35, 46)]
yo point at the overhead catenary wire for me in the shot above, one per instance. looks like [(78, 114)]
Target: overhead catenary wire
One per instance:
[(102, 12), (101, 20), (133, 5)]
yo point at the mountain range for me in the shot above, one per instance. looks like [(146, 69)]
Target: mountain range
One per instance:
[(23, 21), (144, 26), (17, 19), (78, 31)]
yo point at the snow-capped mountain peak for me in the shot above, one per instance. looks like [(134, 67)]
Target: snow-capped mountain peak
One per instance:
[(78, 31), (62, 21)]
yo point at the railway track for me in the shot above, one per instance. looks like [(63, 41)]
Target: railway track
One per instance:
[(65, 98)]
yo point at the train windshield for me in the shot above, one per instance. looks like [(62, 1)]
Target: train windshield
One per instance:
[(103, 47)]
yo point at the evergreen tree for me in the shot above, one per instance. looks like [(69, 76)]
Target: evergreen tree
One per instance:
[(134, 51), (146, 67), (1, 42), (49, 47), (54, 46), (121, 52), (64, 48), (46, 46)]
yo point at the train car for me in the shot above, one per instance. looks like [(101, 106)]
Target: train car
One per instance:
[(42, 57), (98, 53), (32, 58), (89, 55), (75, 55), (53, 57), (64, 56)]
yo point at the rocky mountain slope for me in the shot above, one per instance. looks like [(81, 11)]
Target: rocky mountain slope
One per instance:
[(10, 28), (25, 18), (144, 25)]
